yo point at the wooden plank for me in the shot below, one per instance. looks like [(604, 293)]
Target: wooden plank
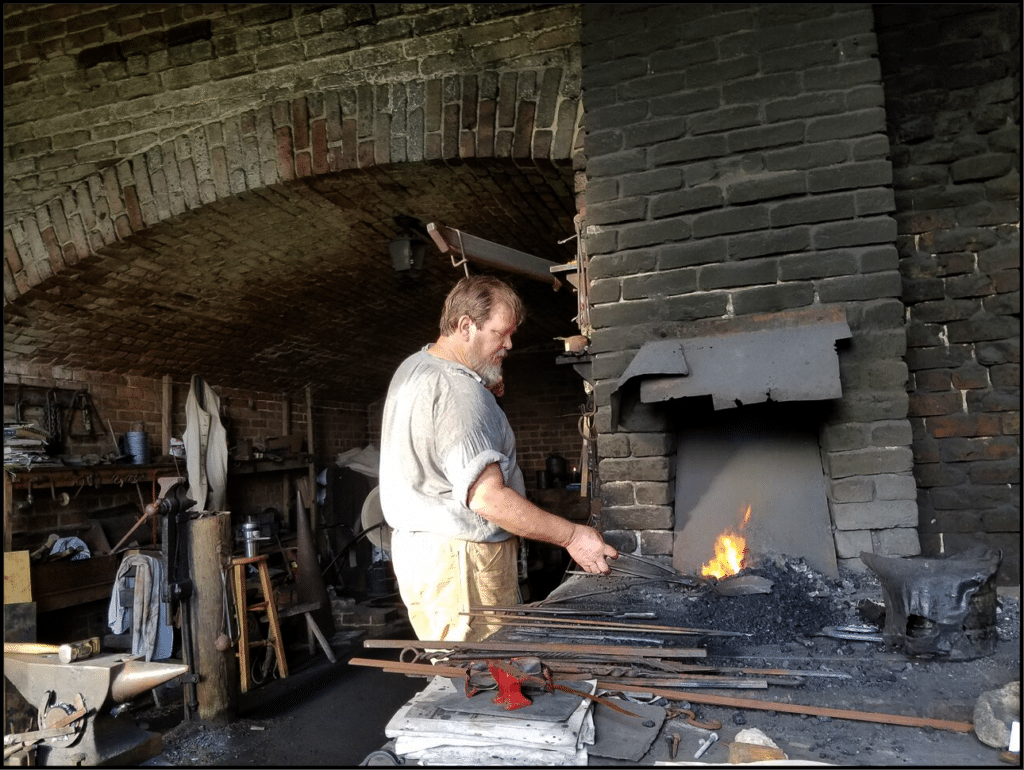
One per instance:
[(165, 416), (8, 511), (17, 577), (314, 513)]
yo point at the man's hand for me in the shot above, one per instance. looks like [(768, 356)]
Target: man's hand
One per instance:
[(490, 498), (589, 550)]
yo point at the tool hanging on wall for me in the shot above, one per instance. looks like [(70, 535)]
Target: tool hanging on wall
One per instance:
[(81, 402), (175, 504)]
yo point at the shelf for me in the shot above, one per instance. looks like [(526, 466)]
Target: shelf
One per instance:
[(88, 475), (249, 467)]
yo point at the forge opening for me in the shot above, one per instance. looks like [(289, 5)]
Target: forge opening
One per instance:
[(755, 472)]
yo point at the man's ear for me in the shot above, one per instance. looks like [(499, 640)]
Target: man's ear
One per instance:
[(465, 322)]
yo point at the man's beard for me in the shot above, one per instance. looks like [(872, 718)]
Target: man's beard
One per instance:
[(490, 373)]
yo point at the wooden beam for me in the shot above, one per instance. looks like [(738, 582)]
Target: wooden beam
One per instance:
[(165, 416), (313, 512)]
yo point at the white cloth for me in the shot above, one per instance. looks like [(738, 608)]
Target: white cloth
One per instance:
[(441, 428), (152, 635), (206, 447), (65, 543)]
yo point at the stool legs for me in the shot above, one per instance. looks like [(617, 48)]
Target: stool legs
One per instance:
[(242, 608)]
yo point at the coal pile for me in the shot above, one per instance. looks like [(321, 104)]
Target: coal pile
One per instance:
[(798, 604)]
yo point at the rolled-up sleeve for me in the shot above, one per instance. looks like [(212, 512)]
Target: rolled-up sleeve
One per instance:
[(472, 437)]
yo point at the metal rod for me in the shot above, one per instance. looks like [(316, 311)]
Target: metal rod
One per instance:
[(546, 632), (794, 708), (610, 625), (528, 609), (536, 648)]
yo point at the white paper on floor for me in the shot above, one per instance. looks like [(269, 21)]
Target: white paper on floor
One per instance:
[(425, 731)]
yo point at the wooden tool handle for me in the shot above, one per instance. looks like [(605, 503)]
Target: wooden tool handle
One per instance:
[(66, 653)]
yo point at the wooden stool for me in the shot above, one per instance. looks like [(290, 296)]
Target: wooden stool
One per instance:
[(312, 629), (242, 608)]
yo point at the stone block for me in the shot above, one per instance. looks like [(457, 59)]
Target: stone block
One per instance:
[(849, 545), (622, 540), (875, 515), (664, 282), (736, 274), (819, 208), (617, 211), (892, 486), (869, 462), (735, 220), (633, 236), (683, 201), (898, 541), (657, 543), (652, 444), (856, 489), (783, 241), (637, 517), (632, 469), (613, 445), (686, 150), (618, 494), (770, 299), (980, 167), (652, 493)]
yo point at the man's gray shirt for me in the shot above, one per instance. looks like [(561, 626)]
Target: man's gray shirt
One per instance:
[(441, 428)]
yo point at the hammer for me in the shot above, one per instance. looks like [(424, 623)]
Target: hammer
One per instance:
[(66, 653)]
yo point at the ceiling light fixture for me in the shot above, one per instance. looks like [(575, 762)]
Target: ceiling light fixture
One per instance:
[(408, 249)]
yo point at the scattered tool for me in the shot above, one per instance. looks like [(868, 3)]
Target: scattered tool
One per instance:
[(705, 745), (674, 748)]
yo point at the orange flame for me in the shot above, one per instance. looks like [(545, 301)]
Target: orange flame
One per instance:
[(730, 550)]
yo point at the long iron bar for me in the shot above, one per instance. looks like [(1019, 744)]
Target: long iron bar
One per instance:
[(544, 632), (620, 570), (608, 683), (649, 562), (529, 609), (576, 664), (537, 648), (610, 625), (601, 592), (793, 708)]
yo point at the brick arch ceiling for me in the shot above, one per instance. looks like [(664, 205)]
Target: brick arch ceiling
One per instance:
[(142, 269)]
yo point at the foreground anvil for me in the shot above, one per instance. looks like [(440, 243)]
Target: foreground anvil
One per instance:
[(75, 726)]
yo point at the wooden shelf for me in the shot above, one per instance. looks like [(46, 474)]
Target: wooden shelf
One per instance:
[(248, 467), (40, 476)]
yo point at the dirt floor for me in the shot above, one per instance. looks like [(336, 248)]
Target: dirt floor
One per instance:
[(334, 714)]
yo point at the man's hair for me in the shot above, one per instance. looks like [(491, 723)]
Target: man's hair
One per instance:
[(477, 296)]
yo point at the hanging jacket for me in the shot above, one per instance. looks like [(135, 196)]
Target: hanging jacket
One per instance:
[(206, 447)]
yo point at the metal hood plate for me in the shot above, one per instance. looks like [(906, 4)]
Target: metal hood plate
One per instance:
[(783, 357)]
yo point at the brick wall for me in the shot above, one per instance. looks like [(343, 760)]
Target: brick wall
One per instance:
[(952, 81), (87, 86), (737, 164)]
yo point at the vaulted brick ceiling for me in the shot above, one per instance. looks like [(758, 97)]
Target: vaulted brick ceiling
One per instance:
[(291, 286)]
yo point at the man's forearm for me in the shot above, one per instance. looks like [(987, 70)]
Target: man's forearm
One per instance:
[(517, 515)]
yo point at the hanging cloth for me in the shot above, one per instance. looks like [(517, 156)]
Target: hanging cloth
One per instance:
[(206, 447)]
